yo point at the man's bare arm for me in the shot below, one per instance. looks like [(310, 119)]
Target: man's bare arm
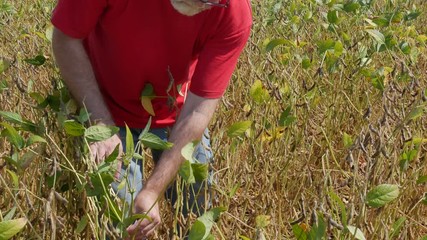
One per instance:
[(192, 122), (78, 75)]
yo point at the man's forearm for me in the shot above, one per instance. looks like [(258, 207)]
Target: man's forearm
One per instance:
[(78, 75), (191, 124)]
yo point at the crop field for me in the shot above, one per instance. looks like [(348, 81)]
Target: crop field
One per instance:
[(322, 133)]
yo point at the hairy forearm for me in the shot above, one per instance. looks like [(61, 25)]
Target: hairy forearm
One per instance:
[(78, 75), (190, 126)]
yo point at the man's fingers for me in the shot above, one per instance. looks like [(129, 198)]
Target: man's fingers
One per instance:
[(142, 228), (149, 229)]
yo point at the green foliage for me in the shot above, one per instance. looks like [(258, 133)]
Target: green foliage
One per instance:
[(299, 232), (186, 172), (82, 224), (12, 135), (321, 60), (274, 43), (10, 228), (397, 226), (202, 227), (10, 214), (258, 93), (286, 119), (36, 61), (238, 129), (74, 128), (342, 208), (154, 142), (422, 179), (381, 195), (100, 133), (191, 170), (356, 233), (347, 140)]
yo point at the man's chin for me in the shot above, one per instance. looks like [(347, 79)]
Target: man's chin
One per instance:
[(186, 9)]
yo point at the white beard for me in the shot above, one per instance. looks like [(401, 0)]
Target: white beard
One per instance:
[(188, 7)]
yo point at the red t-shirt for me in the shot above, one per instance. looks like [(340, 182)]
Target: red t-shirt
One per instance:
[(135, 42)]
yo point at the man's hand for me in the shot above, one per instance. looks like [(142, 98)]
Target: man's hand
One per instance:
[(101, 150), (145, 202)]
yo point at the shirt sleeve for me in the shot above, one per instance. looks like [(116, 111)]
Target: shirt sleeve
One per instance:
[(216, 64), (77, 18)]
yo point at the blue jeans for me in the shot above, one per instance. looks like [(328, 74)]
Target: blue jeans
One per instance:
[(195, 197)]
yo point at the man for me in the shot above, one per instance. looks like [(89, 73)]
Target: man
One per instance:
[(110, 51)]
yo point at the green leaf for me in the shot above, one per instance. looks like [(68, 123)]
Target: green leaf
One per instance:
[(74, 128), (356, 233), (338, 49), (351, 6), (348, 140), (35, 139), (286, 119), (12, 117), (377, 35), (82, 224), (188, 150), (422, 179), (100, 133), (10, 214), (343, 212), (3, 85), (154, 142), (424, 199), (202, 227), (146, 129), (17, 119), (186, 172), (130, 146), (318, 230), (274, 43), (12, 135), (10, 228), (412, 15), (135, 217), (306, 63), (146, 96), (397, 226), (382, 194), (83, 116), (14, 177), (148, 91), (113, 156), (378, 83), (381, 21), (200, 171), (36, 61), (325, 45), (244, 237), (198, 231), (97, 181), (332, 16), (299, 232), (258, 93), (416, 112), (238, 129), (404, 46), (262, 221)]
